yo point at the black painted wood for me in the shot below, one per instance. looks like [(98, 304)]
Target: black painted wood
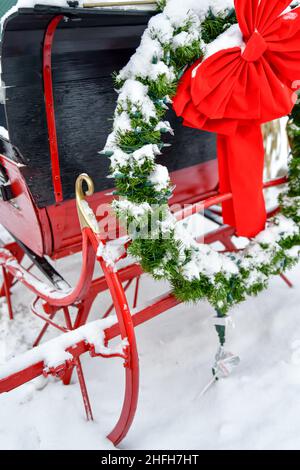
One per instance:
[(85, 53)]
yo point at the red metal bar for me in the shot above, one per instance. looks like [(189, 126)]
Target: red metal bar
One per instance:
[(201, 206), (81, 319), (49, 104), (19, 255), (286, 280), (43, 331), (132, 364), (136, 292), (276, 182), (19, 378), (7, 293), (125, 274), (127, 332), (222, 234), (83, 388), (67, 318)]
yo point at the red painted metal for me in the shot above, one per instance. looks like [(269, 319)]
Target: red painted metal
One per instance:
[(84, 392), (127, 333), (223, 235), (136, 291), (18, 254), (49, 104), (21, 211), (7, 293), (43, 331), (111, 307), (65, 228)]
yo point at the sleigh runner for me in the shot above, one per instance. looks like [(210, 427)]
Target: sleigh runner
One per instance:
[(59, 74)]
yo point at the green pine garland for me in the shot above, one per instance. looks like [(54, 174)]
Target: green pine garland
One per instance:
[(170, 257)]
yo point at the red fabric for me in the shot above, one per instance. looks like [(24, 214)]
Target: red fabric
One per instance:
[(233, 92)]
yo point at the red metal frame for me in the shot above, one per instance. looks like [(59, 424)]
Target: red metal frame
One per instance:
[(49, 103), (85, 292)]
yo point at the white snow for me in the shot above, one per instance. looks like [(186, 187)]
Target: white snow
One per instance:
[(53, 353), (36, 282), (160, 177), (179, 9), (113, 250), (4, 133), (232, 37)]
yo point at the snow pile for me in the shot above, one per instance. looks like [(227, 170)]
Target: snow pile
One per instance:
[(179, 9), (136, 93), (160, 177), (53, 353), (113, 250)]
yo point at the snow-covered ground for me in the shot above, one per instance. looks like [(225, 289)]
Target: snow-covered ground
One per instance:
[(257, 407)]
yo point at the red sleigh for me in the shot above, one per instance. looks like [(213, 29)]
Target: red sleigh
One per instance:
[(58, 89)]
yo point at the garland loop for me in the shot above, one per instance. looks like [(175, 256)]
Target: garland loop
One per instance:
[(175, 38)]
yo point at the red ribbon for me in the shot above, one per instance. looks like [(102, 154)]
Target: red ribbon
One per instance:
[(234, 91)]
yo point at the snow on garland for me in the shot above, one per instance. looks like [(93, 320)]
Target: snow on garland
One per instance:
[(179, 35)]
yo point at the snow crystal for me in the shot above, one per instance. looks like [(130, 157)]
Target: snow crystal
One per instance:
[(135, 210), (122, 122), (136, 93), (232, 37), (290, 16), (4, 133), (113, 250), (119, 159), (164, 126), (147, 152), (178, 10), (146, 62), (276, 229), (184, 39), (293, 252), (159, 177)]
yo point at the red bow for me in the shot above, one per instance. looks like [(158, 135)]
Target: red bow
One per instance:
[(234, 91)]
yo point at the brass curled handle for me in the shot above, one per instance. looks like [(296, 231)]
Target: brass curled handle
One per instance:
[(85, 213)]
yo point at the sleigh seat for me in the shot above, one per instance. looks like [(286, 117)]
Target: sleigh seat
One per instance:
[(82, 53)]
